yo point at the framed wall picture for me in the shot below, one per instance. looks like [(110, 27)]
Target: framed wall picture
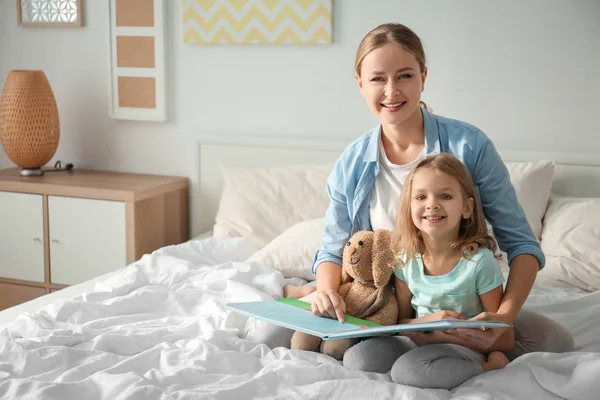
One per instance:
[(257, 21), (137, 60), (50, 13)]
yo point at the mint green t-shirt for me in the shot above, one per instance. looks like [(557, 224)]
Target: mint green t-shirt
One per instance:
[(458, 290)]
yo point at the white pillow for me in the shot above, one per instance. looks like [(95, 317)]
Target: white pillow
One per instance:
[(260, 203), (293, 251), (570, 241), (533, 183)]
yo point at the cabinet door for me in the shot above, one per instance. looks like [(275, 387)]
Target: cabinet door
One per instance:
[(12, 295), (87, 238), (21, 236)]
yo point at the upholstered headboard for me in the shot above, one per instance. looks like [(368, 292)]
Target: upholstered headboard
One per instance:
[(575, 174)]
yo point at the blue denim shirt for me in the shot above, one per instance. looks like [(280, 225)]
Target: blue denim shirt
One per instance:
[(350, 183)]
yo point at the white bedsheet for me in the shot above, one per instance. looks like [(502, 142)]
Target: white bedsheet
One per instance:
[(158, 330)]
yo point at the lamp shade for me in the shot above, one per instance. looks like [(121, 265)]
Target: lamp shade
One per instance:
[(29, 124)]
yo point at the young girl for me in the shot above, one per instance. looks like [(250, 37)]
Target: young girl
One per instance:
[(446, 269)]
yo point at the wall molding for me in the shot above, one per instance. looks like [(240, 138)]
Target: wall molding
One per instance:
[(332, 144), (275, 142)]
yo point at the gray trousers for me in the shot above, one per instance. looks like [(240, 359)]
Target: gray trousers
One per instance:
[(447, 365), (431, 366), (437, 366)]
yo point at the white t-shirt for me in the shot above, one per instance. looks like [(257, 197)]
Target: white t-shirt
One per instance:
[(385, 196)]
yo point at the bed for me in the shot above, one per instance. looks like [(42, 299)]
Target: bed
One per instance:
[(157, 328)]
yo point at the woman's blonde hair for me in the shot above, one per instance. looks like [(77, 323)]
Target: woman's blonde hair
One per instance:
[(472, 233), (397, 34)]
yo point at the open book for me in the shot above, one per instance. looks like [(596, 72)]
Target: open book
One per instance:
[(295, 314)]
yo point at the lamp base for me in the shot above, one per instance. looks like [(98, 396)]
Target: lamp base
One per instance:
[(32, 172)]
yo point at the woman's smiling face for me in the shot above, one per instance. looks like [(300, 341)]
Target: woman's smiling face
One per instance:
[(391, 82)]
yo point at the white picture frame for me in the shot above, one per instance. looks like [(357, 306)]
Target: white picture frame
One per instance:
[(158, 72), (50, 13)]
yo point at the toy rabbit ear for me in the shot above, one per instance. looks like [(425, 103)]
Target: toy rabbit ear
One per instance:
[(383, 257)]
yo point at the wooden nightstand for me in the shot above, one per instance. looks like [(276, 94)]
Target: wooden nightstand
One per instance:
[(67, 227)]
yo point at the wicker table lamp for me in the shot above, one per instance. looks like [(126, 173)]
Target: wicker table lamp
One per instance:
[(29, 124)]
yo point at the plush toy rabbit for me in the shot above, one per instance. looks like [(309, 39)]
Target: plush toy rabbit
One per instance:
[(368, 265)]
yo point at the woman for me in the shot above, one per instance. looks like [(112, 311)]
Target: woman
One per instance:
[(365, 185)]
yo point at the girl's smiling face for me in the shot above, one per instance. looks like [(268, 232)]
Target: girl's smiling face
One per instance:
[(391, 82), (438, 204)]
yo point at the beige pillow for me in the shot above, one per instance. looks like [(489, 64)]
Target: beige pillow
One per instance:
[(533, 183), (294, 250), (570, 241), (260, 203)]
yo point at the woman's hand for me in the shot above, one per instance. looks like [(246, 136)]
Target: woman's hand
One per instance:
[(483, 339), (328, 303)]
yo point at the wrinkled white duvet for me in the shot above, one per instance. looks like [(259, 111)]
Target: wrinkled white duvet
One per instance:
[(158, 330)]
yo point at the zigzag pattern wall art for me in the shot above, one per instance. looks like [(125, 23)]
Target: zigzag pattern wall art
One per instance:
[(257, 21)]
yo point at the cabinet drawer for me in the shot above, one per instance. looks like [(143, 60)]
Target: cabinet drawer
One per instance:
[(21, 236), (11, 295), (87, 238)]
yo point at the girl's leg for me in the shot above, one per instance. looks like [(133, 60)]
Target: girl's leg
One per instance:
[(535, 332), (443, 366), (337, 348), (260, 331), (304, 341), (377, 354), (297, 291)]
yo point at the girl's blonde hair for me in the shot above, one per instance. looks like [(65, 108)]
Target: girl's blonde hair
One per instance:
[(472, 233), (397, 34)]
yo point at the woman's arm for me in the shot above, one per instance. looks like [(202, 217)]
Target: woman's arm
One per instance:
[(521, 277), (491, 303), (329, 276), (500, 204), (327, 265), (337, 226), (403, 297), (327, 301)]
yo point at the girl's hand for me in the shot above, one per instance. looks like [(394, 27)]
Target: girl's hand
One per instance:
[(445, 314), (421, 338), (480, 338), (328, 303)]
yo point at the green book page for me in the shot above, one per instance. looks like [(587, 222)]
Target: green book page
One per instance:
[(347, 318)]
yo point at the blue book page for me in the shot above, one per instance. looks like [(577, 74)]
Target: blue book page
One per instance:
[(291, 317), (442, 324), (303, 320)]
